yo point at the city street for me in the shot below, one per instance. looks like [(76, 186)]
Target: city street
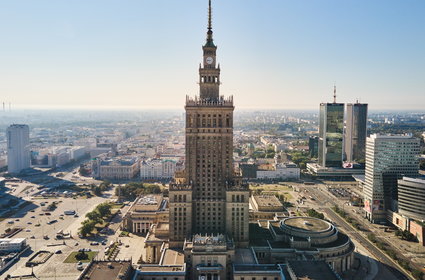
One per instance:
[(386, 265)]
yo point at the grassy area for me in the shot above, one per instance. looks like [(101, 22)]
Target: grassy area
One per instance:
[(71, 258), (274, 188), (124, 233)]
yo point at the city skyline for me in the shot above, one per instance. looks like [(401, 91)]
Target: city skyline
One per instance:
[(276, 55)]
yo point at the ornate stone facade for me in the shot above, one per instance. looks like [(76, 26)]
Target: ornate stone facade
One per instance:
[(208, 197)]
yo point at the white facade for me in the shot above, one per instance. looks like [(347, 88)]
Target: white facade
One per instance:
[(388, 158), (18, 154), (12, 244), (116, 168), (282, 171), (157, 169), (77, 152)]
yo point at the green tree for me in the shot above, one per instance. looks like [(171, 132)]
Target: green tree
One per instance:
[(313, 213), (81, 256), (97, 190), (94, 216), (104, 209), (105, 185), (87, 227)]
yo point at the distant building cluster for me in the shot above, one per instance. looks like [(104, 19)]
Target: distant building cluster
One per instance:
[(57, 156)]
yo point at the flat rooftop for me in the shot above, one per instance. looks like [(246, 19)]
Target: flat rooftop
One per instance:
[(12, 240), (107, 270), (255, 267), (244, 256), (161, 268), (172, 257), (150, 202), (267, 201), (307, 223), (314, 270)]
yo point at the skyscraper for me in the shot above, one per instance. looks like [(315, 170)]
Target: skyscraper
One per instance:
[(411, 198), (18, 154), (313, 146), (331, 128), (388, 158), (208, 198), (355, 132)]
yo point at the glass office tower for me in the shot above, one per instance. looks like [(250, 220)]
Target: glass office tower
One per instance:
[(331, 129)]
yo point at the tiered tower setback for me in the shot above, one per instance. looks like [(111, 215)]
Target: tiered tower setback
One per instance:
[(208, 197)]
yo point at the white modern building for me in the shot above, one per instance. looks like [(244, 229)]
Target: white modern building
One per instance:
[(288, 171), (411, 198), (388, 158), (18, 153), (12, 244)]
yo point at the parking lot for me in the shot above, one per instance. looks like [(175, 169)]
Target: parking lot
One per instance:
[(40, 228)]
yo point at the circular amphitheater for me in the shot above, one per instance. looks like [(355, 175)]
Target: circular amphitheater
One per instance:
[(316, 230)]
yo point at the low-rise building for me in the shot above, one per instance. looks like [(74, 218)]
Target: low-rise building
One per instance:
[(288, 171), (157, 169), (264, 207), (115, 168), (12, 244), (319, 171), (110, 270), (145, 211), (280, 249), (170, 267), (295, 238)]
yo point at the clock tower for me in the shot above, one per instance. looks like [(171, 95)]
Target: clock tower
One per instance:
[(208, 199), (209, 72)]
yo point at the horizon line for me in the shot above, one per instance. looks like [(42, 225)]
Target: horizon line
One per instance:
[(21, 107)]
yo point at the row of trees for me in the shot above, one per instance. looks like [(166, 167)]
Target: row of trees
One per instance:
[(313, 213), (406, 264), (134, 189), (94, 217), (98, 190), (301, 158), (405, 235)]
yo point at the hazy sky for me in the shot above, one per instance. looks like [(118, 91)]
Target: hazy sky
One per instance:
[(273, 53)]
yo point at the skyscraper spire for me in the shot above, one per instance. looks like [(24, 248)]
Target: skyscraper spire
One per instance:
[(209, 15), (209, 32), (334, 93)]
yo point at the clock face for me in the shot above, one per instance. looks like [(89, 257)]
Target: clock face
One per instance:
[(209, 60)]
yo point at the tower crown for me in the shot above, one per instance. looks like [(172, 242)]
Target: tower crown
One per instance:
[(210, 42), (209, 73)]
